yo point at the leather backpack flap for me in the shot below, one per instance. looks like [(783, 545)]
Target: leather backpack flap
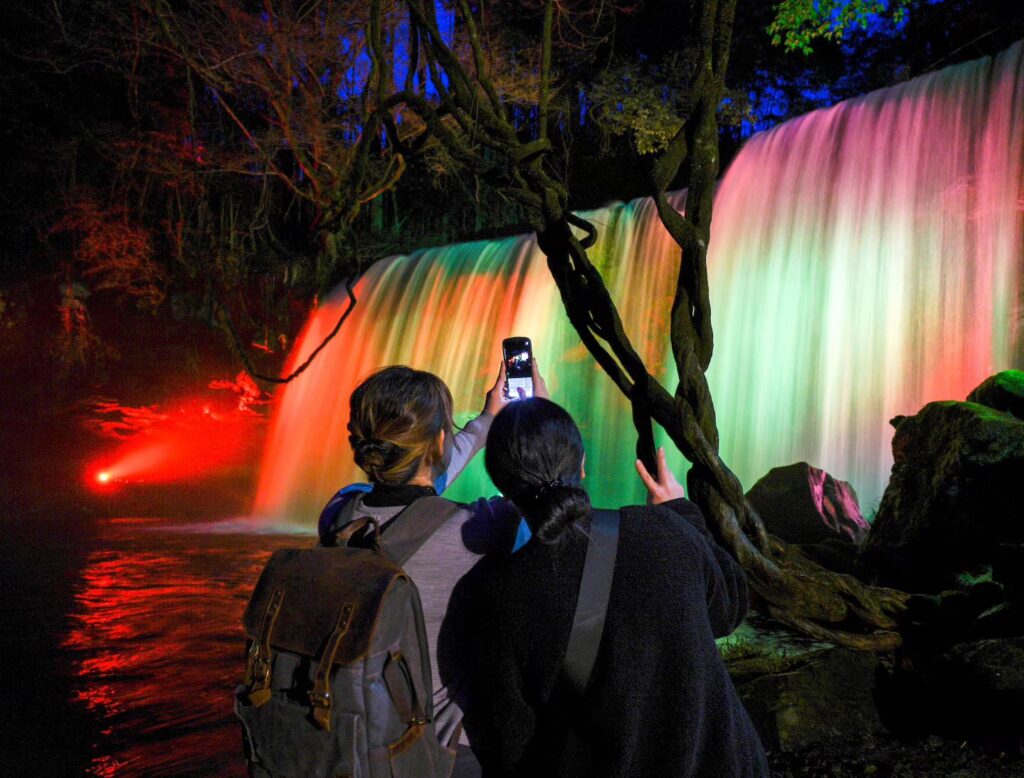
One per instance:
[(309, 592)]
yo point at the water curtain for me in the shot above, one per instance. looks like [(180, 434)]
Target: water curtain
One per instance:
[(865, 259)]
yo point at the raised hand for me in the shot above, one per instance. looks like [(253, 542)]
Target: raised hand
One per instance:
[(496, 399), (663, 488)]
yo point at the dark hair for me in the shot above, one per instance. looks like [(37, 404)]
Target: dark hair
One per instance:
[(534, 455), (395, 417)]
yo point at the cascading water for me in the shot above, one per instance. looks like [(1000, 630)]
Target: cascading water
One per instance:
[(446, 310), (865, 259)]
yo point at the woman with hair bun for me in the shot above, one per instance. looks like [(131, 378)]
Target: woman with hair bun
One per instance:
[(659, 701), (402, 436)]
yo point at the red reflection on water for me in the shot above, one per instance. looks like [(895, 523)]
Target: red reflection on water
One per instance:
[(157, 647)]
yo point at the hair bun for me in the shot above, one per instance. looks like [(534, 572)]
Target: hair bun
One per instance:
[(371, 454)]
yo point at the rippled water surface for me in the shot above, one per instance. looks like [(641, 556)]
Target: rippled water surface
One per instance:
[(123, 642)]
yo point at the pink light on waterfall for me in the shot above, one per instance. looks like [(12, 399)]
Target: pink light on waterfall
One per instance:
[(865, 260)]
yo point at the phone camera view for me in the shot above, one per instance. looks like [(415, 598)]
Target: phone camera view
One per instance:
[(518, 368), (518, 365)]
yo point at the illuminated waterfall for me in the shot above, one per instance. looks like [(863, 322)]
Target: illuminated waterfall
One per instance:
[(865, 259)]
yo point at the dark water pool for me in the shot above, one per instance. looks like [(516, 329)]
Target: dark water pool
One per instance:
[(120, 643)]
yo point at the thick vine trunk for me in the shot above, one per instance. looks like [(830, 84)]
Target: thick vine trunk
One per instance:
[(797, 591)]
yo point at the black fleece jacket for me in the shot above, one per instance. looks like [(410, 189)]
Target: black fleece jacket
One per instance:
[(659, 703)]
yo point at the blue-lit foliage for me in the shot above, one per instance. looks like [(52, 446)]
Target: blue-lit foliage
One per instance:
[(775, 97)]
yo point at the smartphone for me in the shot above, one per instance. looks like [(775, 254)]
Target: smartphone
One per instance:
[(518, 354)]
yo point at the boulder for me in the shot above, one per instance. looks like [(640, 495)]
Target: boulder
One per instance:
[(932, 623), (802, 504), (1003, 391), (820, 697), (951, 498)]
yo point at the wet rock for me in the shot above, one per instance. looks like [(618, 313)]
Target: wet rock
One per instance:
[(1003, 391), (803, 504), (936, 622), (815, 698), (991, 670), (952, 495), (1000, 621)]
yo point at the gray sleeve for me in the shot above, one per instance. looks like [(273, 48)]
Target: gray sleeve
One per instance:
[(466, 444)]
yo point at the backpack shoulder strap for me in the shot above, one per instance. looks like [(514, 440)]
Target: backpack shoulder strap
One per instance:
[(337, 513), (592, 605), (410, 529)]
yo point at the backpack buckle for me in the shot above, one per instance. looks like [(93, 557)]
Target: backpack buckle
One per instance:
[(320, 699), (261, 661), (320, 695)]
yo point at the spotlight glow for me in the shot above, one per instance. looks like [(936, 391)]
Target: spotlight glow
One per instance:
[(192, 439)]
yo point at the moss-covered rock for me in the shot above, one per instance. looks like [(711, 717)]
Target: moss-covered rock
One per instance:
[(815, 698), (1003, 392), (971, 689), (952, 496)]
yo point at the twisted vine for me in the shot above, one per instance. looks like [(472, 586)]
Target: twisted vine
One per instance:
[(797, 591)]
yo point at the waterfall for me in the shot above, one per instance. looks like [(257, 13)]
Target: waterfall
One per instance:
[(865, 259)]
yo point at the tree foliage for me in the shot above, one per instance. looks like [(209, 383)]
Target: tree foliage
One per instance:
[(112, 251), (798, 23)]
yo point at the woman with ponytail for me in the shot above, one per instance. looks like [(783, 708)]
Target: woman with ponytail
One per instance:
[(659, 701)]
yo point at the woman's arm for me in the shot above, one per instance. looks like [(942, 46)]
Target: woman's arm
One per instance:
[(725, 582), (468, 442), (728, 597)]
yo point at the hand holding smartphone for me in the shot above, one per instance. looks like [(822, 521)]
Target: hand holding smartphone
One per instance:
[(518, 356)]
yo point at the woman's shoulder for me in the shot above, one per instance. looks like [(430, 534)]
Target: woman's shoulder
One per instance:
[(678, 522), (489, 525)]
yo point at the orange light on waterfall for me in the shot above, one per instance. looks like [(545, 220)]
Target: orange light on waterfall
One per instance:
[(103, 477)]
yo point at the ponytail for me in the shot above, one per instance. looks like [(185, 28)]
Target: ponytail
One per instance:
[(534, 456), (555, 508)]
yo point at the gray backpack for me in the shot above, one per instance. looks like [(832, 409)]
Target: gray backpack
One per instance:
[(338, 680)]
